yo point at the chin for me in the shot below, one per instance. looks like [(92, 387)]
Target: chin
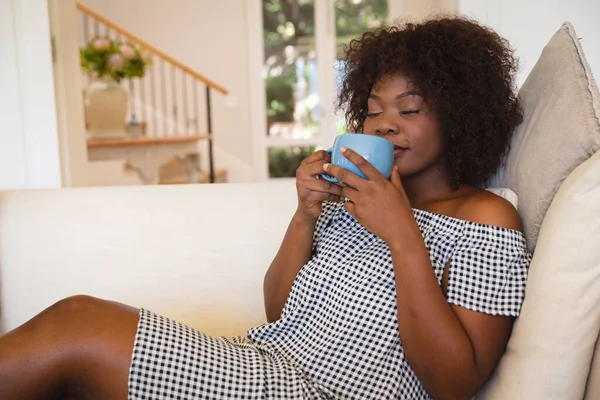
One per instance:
[(404, 169)]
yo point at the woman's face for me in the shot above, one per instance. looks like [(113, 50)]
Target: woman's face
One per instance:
[(397, 112)]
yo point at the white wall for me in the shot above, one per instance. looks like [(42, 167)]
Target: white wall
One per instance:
[(71, 125), (13, 171), (29, 148), (210, 37), (419, 9), (529, 25)]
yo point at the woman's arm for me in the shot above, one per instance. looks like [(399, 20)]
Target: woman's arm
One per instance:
[(296, 247), (451, 349), (294, 252)]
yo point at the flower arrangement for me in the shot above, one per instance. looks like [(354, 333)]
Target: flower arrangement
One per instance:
[(103, 57)]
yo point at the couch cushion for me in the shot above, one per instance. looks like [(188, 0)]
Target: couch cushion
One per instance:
[(551, 349), (592, 392), (194, 253), (549, 354), (560, 129)]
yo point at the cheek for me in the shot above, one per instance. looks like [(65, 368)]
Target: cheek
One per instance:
[(437, 142), (428, 143), (368, 127)]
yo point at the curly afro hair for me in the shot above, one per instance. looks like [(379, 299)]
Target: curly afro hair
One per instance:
[(465, 72)]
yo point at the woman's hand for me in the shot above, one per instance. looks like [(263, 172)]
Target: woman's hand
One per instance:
[(312, 191), (380, 205)]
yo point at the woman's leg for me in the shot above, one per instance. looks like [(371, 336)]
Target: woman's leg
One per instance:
[(80, 346)]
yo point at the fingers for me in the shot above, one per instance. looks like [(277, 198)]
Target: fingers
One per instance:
[(306, 173), (318, 191), (395, 178), (312, 165), (363, 165), (310, 196), (312, 189), (311, 170), (320, 185), (320, 155), (351, 194), (344, 175)]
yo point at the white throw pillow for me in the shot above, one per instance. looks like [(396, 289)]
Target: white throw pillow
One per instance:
[(560, 129), (550, 351), (507, 194)]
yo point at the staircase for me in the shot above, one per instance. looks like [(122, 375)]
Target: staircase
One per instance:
[(172, 107)]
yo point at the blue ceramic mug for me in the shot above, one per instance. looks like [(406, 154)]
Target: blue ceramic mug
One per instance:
[(376, 150)]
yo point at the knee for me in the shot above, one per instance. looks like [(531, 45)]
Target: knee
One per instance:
[(74, 306)]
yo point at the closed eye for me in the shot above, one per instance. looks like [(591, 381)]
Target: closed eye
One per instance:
[(410, 112), (373, 114)]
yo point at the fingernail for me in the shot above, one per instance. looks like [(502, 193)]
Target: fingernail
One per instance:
[(343, 149), (326, 166)]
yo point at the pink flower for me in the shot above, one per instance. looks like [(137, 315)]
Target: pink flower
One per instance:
[(101, 43), (127, 51), (116, 61)]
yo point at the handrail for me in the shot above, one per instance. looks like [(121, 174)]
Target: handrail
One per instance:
[(86, 10)]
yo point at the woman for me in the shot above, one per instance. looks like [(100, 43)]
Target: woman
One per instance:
[(402, 288)]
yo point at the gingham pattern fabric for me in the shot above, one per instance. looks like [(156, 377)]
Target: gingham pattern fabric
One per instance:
[(338, 333), (173, 361)]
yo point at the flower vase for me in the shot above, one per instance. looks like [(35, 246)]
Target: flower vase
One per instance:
[(105, 109)]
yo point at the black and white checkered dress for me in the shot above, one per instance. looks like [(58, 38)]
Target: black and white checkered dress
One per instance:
[(337, 337)]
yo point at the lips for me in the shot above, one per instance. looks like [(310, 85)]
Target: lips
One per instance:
[(398, 150)]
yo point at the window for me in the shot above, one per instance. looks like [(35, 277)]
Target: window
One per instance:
[(303, 43)]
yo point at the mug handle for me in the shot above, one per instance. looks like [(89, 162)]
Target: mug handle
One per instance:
[(329, 178)]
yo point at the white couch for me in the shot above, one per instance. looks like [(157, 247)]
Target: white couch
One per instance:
[(196, 253)]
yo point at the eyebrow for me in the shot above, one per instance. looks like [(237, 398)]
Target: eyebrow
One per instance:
[(398, 97)]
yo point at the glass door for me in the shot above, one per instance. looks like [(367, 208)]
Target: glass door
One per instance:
[(303, 42)]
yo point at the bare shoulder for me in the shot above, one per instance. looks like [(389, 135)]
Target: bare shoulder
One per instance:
[(484, 207)]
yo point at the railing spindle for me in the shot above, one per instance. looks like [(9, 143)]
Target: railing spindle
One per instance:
[(185, 103), (153, 95), (143, 102), (86, 38), (196, 108), (174, 100), (86, 28), (163, 93), (210, 140), (131, 99)]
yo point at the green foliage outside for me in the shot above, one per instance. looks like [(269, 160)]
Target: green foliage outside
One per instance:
[(283, 162), (280, 95), (289, 34)]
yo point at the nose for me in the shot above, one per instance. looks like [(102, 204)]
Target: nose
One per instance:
[(387, 125)]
